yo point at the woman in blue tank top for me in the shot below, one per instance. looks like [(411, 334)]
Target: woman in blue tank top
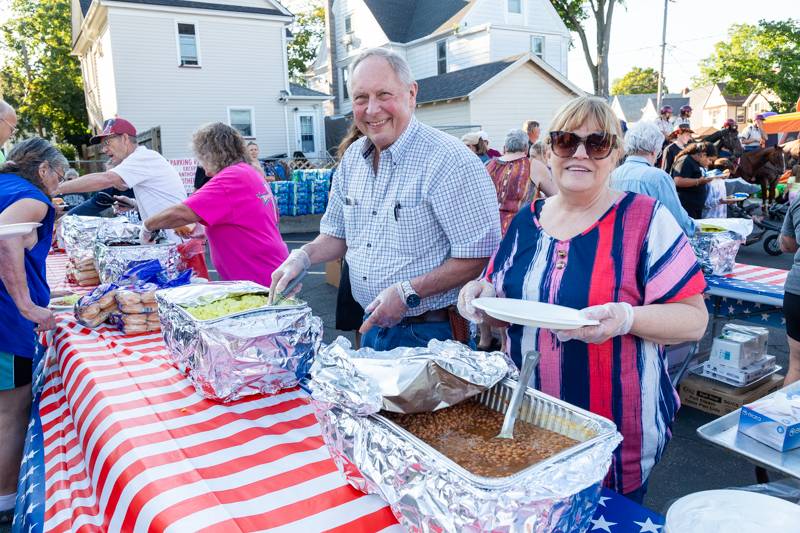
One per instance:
[(27, 179)]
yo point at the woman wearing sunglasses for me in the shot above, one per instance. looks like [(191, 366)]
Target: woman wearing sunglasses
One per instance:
[(621, 258)]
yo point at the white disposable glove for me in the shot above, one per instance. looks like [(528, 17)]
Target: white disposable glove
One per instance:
[(297, 262), (479, 288), (386, 310), (616, 318)]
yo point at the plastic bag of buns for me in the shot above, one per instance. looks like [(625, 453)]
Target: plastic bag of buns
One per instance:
[(96, 307)]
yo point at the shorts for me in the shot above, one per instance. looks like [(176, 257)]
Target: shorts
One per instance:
[(15, 371), (791, 310)]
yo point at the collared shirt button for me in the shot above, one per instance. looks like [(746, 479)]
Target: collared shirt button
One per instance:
[(562, 253), (560, 265), (364, 278), (374, 213), (369, 245)]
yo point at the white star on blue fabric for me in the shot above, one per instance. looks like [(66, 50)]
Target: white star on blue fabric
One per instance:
[(601, 523), (603, 500), (648, 526)]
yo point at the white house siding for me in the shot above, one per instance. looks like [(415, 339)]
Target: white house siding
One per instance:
[(422, 59), (468, 50), (178, 98), (523, 94), (537, 16), (451, 117), (263, 4), (295, 108), (513, 41), (98, 76)]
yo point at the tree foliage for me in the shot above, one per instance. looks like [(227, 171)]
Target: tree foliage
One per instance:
[(308, 31), (576, 14), (38, 76), (637, 81), (758, 57)]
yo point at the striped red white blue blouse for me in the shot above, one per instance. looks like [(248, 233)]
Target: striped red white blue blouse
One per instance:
[(634, 253)]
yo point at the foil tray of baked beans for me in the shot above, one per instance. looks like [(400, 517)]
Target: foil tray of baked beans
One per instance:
[(444, 471)]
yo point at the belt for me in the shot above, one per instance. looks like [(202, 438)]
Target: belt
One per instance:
[(435, 315)]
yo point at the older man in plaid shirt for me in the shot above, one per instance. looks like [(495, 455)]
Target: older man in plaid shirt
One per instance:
[(411, 207)]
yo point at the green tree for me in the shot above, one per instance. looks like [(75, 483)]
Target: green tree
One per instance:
[(637, 81), (38, 76), (308, 30), (758, 57), (575, 14)]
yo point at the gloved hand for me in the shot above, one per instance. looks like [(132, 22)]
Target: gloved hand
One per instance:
[(297, 262), (386, 310), (616, 318), (185, 232), (479, 288), (147, 237)]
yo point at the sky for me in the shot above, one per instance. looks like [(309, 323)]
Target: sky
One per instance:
[(693, 27)]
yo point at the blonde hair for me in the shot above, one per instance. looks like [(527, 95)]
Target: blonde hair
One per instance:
[(588, 110), (219, 146)]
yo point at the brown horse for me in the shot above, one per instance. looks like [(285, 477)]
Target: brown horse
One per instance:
[(726, 139), (763, 167)]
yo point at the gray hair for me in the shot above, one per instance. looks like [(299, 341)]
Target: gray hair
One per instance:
[(538, 149), (26, 158), (71, 173), (5, 108), (643, 138), (396, 61), (516, 141)]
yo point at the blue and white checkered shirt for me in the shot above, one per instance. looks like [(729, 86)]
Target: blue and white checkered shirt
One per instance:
[(431, 199)]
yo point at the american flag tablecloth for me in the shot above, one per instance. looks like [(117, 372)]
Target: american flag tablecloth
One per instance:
[(751, 293), (123, 443)]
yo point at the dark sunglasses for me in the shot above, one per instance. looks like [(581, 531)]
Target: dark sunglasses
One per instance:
[(597, 145)]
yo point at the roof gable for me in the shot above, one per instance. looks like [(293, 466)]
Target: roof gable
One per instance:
[(459, 83), (632, 105), (407, 20), (302, 90), (86, 4)]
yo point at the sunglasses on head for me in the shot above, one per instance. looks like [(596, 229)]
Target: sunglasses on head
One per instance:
[(597, 145)]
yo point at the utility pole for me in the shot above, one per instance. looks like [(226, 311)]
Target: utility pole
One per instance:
[(663, 51)]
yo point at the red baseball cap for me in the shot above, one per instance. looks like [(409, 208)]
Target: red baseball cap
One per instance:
[(114, 126)]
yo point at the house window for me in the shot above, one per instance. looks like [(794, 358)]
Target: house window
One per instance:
[(515, 6), (241, 119), (348, 24), (441, 57), (740, 115), (307, 144), (345, 79), (187, 45), (537, 46)]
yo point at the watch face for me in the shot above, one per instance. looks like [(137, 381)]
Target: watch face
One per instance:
[(412, 300)]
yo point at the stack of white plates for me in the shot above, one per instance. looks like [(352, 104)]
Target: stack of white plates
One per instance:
[(8, 231), (737, 511), (533, 314)]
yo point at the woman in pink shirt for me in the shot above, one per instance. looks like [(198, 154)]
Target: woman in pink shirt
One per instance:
[(236, 207)]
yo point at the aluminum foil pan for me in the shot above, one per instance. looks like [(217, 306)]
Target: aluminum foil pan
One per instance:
[(403, 380), (111, 261), (119, 230), (77, 234), (716, 251), (257, 351), (428, 492)]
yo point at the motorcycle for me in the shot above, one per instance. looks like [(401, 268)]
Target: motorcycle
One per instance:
[(768, 225)]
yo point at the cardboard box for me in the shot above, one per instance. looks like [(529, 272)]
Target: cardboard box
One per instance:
[(719, 399), (775, 428), (333, 272)]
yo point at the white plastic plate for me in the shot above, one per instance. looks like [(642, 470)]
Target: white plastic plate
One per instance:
[(533, 314), (8, 231)]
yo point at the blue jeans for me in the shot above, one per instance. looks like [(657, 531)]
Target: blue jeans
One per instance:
[(638, 494), (405, 334), (752, 148)]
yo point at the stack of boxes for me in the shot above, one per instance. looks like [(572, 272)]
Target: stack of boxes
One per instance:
[(306, 194), (739, 356)]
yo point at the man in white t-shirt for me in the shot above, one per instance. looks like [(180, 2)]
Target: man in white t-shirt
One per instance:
[(154, 181)]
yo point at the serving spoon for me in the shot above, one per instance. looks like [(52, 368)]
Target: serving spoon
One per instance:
[(529, 361)]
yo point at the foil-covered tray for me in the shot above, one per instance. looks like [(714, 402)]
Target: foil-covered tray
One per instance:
[(716, 251), (111, 261), (429, 492), (77, 234), (261, 350)]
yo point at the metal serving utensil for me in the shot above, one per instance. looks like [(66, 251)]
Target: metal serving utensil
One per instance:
[(529, 361), (275, 300)]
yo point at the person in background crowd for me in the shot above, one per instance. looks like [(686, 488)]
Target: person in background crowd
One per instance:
[(729, 124), (75, 198), (637, 174), (101, 201), (200, 178), (688, 171), (540, 171), (680, 138), (753, 137), (8, 125), (717, 202), (349, 313), (236, 206), (477, 144), (511, 174), (28, 180), (623, 260), (252, 152), (664, 122), (790, 237), (684, 115), (532, 128), (154, 181), (413, 210)]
